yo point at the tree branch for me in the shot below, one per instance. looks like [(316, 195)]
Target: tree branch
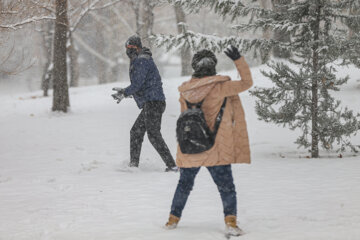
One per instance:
[(18, 25)]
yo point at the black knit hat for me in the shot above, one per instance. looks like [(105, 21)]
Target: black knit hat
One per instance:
[(204, 63), (134, 40)]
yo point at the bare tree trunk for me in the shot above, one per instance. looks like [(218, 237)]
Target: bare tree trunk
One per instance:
[(280, 35), (47, 35), (354, 27), (136, 6), (314, 88), (46, 78), (101, 66), (61, 89), (266, 4), (74, 63), (112, 69), (144, 20), (148, 19), (185, 51)]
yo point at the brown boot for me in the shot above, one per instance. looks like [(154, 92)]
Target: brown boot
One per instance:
[(172, 222), (231, 227)]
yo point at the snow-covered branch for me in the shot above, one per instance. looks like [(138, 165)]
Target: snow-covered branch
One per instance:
[(45, 7), (91, 7), (20, 24), (82, 13), (107, 5)]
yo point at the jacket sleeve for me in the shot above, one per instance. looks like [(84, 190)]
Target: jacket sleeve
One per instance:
[(138, 76), (231, 88)]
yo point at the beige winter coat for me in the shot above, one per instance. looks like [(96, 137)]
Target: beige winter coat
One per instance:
[(231, 143)]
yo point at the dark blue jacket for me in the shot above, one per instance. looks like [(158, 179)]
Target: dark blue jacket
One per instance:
[(145, 80)]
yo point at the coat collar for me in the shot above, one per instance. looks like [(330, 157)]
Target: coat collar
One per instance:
[(194, 83), (196, 89)]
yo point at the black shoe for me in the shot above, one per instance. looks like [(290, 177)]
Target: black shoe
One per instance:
[(172, 169)]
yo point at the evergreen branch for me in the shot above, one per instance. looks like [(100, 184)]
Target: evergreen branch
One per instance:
[(232, 8), (283, 25)]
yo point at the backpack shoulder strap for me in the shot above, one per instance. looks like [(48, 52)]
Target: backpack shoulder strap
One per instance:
[(219, 117)]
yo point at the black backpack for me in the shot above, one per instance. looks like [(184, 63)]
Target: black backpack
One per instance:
[(192, 132)]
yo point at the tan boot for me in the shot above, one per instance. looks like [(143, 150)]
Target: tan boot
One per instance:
[(231, 227), (172, 222)]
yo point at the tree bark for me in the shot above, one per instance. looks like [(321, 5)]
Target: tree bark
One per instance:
[(146, 23), (314, 88), (280, 35), (101, 66), (47, 35), (265, 4), (144, 17), (353, 27), (136, 6), (185, 53), (113, 69), (61, 89), (74, 63)]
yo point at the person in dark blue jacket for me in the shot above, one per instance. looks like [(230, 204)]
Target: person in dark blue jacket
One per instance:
[(146, 88)]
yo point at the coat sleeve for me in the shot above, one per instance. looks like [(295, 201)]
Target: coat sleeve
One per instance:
[(138, 76), (231, 88)]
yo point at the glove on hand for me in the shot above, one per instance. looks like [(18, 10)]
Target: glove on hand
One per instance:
[(233, 53), (120, 95), (119, 90)]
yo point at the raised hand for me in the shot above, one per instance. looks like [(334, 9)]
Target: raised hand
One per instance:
[(233, 53)]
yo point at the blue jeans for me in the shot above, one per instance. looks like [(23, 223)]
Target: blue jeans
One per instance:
[(222, 176)]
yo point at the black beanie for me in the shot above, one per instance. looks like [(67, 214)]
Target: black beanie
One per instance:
[(134, 40), (204, 63)]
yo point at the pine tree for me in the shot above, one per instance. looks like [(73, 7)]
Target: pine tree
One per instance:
[(301, 95)]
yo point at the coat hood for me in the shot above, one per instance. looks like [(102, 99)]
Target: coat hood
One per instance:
[(145, 52), (133, 54), (196, 89)]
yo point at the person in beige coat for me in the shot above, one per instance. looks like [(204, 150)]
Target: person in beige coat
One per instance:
[(231, 142)]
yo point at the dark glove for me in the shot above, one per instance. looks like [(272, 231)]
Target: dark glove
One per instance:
[(233, 53), (119, 90), (120, 95)]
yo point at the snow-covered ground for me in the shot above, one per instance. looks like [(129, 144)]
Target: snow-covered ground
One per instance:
[(64, 176)]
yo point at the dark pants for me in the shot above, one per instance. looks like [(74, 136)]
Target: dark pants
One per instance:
[(149, 121), (222, 176)]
